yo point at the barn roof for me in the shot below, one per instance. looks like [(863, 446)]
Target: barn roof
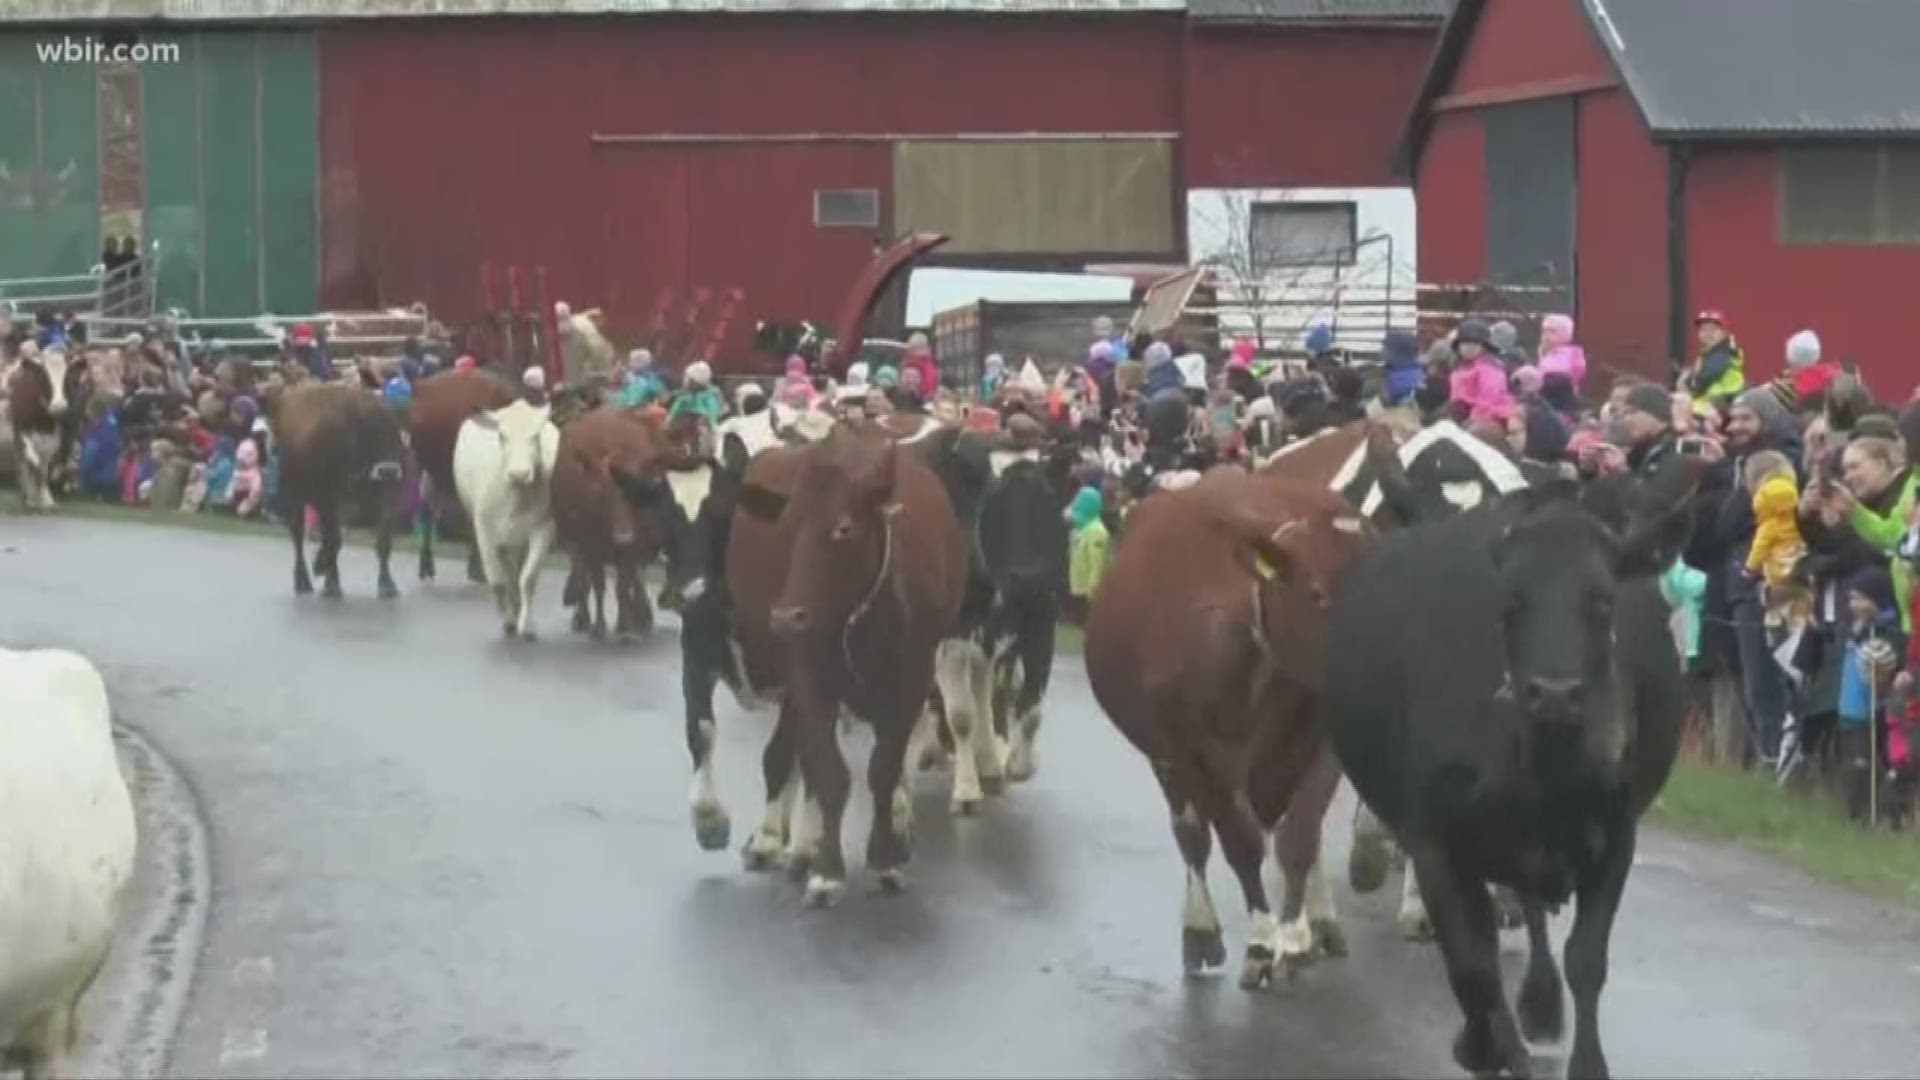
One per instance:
[(1309, 12), (191, 11), (1734, 69)]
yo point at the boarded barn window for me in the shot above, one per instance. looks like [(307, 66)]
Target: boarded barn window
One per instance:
[(1850, 195), (846, 208), (1302, 234), (1038, 196)]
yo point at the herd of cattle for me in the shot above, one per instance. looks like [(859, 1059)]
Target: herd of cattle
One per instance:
[(1485, 659)]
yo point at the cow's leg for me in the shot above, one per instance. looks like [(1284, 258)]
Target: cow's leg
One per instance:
[(711, 825), (1244, 844), (1201, 944), (636, 608), (989, 749), (1414, 923), (777, 767), (1542, 1006), (297, 530), (828, 781), (330, 511), (953, 671), (1599, 900), (597, 584), (1508, 908), (385, 587), (888, 842), (496, 570), (1367, 859), (537, 547), (574, 594), (1036, 670), (476, 559), (1489, 1040), (43, 1046), (1307, 920)]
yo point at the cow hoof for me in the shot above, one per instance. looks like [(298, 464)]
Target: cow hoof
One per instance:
[(1020, 765), (761, 853), (967, 807), (823, 892), (597, 632), (1329, 938), (798, 864), (1477, 1050), (712, 829), (331, 590), (1201, 949), (302, 586), (1256, 972), (528, 635), (507, 630), (991, 786), (388, 590), (581, 621), (892, 881), (1415, 926), (1367, 864), (932, 758)]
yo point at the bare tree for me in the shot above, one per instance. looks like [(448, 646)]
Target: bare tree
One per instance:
[(1278, 293)]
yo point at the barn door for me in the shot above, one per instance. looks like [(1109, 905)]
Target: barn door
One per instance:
[(1532, 173)]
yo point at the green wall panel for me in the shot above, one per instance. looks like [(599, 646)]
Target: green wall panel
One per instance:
[(229, 170), (19, 227), (70, 141), (170, 141), (290, 170)]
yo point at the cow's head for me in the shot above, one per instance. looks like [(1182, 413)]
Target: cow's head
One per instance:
[(1559, 558), (523, 432), (841, 516), (54, 363), (1297, 546)]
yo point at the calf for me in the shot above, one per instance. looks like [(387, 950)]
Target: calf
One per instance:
[(871, 584), (1503, 692), (1204, 648), (503, 470), (44, 407), (68, 861), (441, 405), (338, 445), (598, 528)]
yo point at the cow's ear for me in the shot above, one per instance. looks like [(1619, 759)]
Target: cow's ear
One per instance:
[(762, 502), (486, 421), (733, 454)]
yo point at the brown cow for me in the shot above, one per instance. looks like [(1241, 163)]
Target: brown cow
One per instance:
[(597, 526), (846, 566), (45, 400), (337, 443), (440, 405), (1204, 646)]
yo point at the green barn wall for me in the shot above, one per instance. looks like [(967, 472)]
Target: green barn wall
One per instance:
[(229, 162)]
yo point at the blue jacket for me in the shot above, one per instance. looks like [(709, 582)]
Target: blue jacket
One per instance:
[(1165, 377), (1856, 697)]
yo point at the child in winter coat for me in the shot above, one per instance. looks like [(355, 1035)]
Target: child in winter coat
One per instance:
[(1089, 548), (1479, 384), (249, 483), (1777, 544), (1558, 354), (1873, 651)]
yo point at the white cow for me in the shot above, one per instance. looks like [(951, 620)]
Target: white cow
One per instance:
[(68, 851), (503, 471)]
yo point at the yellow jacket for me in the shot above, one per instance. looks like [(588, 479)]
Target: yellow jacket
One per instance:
[(1777, 544), (1088, 559)]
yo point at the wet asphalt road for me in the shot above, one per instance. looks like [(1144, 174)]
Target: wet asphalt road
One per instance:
[(437, 854)]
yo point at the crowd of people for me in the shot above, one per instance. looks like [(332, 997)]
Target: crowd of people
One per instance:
[(1794, 600)]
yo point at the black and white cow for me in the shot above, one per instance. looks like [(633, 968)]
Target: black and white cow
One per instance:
[(1502, 690)]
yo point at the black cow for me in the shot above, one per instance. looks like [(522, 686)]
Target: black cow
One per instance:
[(1505, 695), (994, 669)]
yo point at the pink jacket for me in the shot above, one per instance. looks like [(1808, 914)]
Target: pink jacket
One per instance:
[(1482, 385), (1568, 360)]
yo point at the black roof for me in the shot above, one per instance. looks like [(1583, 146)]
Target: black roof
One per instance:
[(1318, 11), (1735, 69)]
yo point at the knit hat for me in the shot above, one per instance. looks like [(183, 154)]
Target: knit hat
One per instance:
[(699, 373), (1505, 335), (1877, 425), (534, 378), (1764, 402), (746, 392), (1650, 399), (1527, 379), (1319, 340), (1159, 353), (1400, 350), (1556, 330), (887, 377), (640, 359), (1472, 330), (1875, 584), (1803, 349), (465, 363)]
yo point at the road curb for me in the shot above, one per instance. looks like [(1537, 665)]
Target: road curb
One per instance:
[(132, 1012)]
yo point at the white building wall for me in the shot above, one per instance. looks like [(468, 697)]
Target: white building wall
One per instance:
[(1362, 301)]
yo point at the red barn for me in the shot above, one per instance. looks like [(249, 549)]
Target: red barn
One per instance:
[(767, 145), (1753, 156)]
